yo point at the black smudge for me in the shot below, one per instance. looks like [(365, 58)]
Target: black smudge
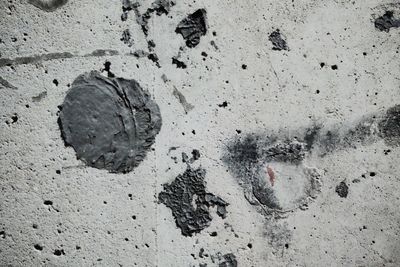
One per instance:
[(278, 41), (389, 126), (48, 5), (229, 260), (386, 22), (342, 189), (189, 201), (110, 122), (193, 27), (107, 68), (179, 64)]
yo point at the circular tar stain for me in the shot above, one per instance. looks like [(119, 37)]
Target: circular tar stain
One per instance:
[(110, 122)]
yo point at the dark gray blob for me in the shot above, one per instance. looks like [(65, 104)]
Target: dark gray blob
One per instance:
[(127, 38), (342, 189), (190, 203), (193, 27), (278, 41), (389, 126), (386, 22), (179, 64), (229, 260), (48, 5), (110, 122)]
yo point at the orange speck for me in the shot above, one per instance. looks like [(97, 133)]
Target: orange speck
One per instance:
[(271, 175)]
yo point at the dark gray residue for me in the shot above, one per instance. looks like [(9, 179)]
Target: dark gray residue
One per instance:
[(190, 203), (229, 260), (386, 22), (110, 122), (389, 126), (278, 41), (342, 189), (193, 27), (48, 5), (39, 97), (7, 84), (53, 56), (179, 64)]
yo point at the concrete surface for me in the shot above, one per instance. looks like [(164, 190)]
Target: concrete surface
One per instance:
[(337, 72)]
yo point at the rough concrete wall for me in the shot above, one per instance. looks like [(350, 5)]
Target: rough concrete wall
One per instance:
[(278, 146)]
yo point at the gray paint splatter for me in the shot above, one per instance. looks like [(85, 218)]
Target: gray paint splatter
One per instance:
[(278, 41), (182, 99), (39, 97), (110, 122), (7, 84), (389, 126), (48, 5), (193, 27)]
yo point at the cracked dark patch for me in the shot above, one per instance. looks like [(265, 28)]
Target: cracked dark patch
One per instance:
[(48, 5), (342, 189), (193, 27), (229, 260), (278, 41), (110, 122), (190, 203), (179, 64), (386, 22)]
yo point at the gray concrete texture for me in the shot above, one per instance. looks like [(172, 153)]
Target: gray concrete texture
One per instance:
[(199, 133)]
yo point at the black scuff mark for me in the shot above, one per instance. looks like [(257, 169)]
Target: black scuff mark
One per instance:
[(189, 201), (223, 105), (386, 22), (278, 41), (110, 122), (48, 5), (193, 27), (342, 189)]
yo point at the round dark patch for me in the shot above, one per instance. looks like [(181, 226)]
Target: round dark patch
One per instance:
[(110, 122)]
